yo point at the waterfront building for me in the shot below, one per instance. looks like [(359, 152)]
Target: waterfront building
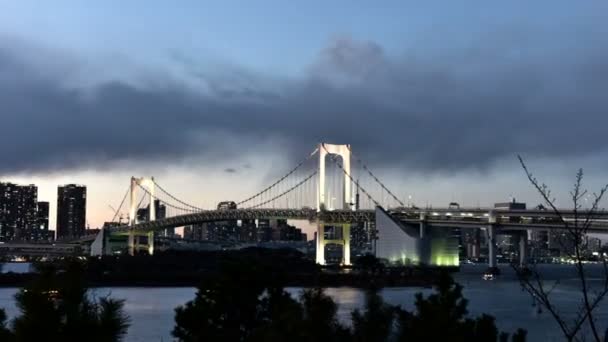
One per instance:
[(472, 242), (264, 230), (71, 210), (197, 232), (42, 220), (248, 231), (18, 212), (359, 237), (160, 210)]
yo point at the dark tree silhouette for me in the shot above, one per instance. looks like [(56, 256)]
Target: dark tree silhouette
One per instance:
[(320, 317), (5, 333), (442, 316), (375, 323), (248, 303), (56, 306)]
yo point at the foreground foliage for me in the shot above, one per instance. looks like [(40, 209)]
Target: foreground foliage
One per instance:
[(57, 306), (248, 303)]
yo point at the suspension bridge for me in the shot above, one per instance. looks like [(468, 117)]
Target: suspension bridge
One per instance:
[(330, 185), (333, 188)]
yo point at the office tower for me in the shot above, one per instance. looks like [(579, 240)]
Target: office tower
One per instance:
[(42, 227), (71, 211), (18, 212)]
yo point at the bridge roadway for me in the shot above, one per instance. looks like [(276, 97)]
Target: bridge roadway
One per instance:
[(440, 217), (334, 216), (458, 218)]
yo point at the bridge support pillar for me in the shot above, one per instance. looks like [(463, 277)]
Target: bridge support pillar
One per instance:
[(320, 243), (492, 246), (324, 201), (343, 240), (422, 225), (346, 244), (132, 243), (523, 248), (135, 244), (151, 243)]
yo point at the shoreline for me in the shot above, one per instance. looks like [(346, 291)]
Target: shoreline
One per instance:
[(402, 277)]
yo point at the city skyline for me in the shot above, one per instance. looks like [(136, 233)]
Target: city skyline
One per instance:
[(439, 112)]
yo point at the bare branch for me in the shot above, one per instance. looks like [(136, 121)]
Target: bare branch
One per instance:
[(576, 231)]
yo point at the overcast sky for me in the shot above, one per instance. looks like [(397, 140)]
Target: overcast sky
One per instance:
[(216, 98)]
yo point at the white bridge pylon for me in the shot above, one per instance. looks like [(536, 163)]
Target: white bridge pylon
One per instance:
[(343, 151), (149, 185)]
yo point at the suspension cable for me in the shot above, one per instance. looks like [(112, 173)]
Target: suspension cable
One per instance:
[(167, 203), (280, 179), (375, 178), (143, 197), (285, 192), (175, 198), (124, 198)]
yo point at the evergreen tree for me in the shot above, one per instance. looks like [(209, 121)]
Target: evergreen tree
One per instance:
[(375, 323), (442, 316), (56, 306)]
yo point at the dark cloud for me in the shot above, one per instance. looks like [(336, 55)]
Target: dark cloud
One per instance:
[(230, 170), (426, 109)]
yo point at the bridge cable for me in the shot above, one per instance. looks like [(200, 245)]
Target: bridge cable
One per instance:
[(124, 198), (269, 188), (285, 192), (175, 198), (143, 197), (167, 203), (375, 178)]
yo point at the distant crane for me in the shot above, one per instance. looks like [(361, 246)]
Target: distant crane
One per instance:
[(116, 213)]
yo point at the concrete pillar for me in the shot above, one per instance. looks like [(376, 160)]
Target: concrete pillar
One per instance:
[(422, 225), (151, 243), (152, 188), (133, 204), (321, 204), (346, 189), (132, 243), (320, 243), (492, 245), (523, 248), (346, 244)]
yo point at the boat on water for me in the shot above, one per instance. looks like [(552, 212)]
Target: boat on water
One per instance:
[(488, 276)]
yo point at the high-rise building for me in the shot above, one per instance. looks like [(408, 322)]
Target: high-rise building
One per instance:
[(160, 211), (42, 228), (198, 232), (248, 231), (8, 210), (471, 240), (71, 210), (28, 207), (18, 212), (264, 230)]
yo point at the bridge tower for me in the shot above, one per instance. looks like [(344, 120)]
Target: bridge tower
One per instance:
[(147, 183), (134, 238), (323, 203)]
